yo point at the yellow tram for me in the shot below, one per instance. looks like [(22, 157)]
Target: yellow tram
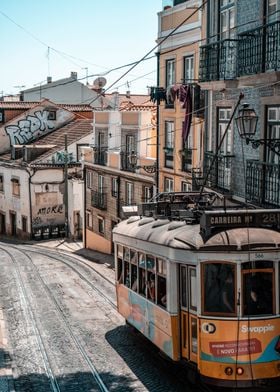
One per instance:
[(201, 281)]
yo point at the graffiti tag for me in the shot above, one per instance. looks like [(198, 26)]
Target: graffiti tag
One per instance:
[(58, 209), (30, 128)]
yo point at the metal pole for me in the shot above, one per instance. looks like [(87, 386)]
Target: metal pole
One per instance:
[(66, 187)]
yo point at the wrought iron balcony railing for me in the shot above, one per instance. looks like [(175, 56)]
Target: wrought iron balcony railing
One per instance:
[(100, 156), (99, 200), (125, 162), (259, 50), (220, 175), (263, 183), (218, 60)]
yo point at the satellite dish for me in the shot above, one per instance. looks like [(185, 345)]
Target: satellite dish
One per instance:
[(99, 82)]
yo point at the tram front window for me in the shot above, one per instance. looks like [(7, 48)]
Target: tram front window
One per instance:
[(258, 293), (219, 288)]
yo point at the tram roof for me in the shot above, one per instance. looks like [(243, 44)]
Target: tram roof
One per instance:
[(180, 234)]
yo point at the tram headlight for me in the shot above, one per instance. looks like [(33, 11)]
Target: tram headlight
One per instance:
[(239, 371), (228, 371)]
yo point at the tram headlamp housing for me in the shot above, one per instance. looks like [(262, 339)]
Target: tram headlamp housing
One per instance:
[(239, 371), (228, 371)]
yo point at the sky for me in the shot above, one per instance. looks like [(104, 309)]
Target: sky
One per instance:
[(43, 38)]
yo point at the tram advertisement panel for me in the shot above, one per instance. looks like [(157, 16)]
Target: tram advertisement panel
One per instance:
[(243, 341)]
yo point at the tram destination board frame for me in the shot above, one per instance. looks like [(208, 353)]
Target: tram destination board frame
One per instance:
[(212, 222)]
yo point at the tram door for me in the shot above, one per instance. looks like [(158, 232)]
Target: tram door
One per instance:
[(188, 311)]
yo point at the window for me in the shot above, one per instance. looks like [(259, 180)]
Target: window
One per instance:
[(273, 7), (24, 223), (52, 115), (186, 187), (129, 193), (169, 143), (114, 187), (224, 115), (227, 19), (170, 72), (168, 184), (89, 177), (2, 116), (272, 132), (1, 183), (169, 134), (219, 289), (89, 219), (257, 283), (101, 224), (188, 69), (147, 193), (15, 187)]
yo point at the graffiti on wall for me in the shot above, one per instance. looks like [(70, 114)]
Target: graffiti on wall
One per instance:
[(58, 209), (30, 128)]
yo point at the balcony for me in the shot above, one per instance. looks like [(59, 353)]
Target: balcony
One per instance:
[(263, 183), (259, 50), (186, 160), (99, 200), (125, 162), (218, 61), (253, 52), (220, 174), (100, 156)]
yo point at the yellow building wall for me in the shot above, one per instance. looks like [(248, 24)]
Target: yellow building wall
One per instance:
[(97, 242)]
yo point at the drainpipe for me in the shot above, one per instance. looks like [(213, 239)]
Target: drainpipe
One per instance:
[(118, 196), (30, 201)]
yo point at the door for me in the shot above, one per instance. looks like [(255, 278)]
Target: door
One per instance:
[(188, 311), (2, 224), (13, 224)]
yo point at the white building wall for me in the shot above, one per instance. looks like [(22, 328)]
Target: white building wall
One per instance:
[(11, 203)]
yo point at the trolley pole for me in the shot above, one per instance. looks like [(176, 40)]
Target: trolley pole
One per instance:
[(66, 186)]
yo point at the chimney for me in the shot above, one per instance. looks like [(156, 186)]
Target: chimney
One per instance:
[(49, 79), (116, 100), (74, 75), (127, 94)]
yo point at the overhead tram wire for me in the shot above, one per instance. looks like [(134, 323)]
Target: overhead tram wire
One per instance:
[(156, 46)]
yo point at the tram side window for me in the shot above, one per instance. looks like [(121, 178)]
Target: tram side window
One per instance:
[(133, 260), (161, 283), (119, 264), (142, 274), (257, 293), (151, 277), (219, 288)]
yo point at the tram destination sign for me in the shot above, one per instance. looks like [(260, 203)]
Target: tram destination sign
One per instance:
[(212, 222)]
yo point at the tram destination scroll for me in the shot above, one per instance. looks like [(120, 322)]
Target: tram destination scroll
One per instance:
[(212, 222)]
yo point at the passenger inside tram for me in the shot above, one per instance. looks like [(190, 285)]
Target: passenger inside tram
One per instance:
[(258, 294)]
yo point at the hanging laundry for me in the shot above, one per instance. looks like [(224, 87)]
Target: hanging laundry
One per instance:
[(172, 93), (185, 96)]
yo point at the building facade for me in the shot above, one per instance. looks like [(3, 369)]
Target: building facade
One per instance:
[(41, 169), (181, 117), (240, 54), (114, 185)]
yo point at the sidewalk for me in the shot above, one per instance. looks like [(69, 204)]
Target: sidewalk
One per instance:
[(76, 247)]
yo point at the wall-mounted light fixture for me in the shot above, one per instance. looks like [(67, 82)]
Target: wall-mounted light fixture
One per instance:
[(132, 158), (247, 124)]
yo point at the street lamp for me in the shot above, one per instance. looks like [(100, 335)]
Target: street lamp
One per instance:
[(247, 123), (132, 158)]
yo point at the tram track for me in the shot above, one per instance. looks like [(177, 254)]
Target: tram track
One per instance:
[(50, 371), (202, 387), (69, 261), (86, 272)]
